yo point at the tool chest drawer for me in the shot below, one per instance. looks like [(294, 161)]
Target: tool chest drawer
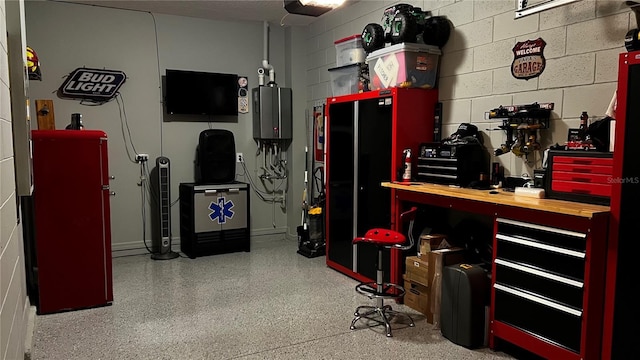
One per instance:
[(539, 280), (539, 255), (567, 239), (549, 250), (541, 317), (581, 188), (450, 164), (438, 170), (583, 169), (543, 283), (583, 176), (584, 159)]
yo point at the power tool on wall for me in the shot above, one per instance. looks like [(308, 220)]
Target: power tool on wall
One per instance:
[(632, 39), (521, 124)]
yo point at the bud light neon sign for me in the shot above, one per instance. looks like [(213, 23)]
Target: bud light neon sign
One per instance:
[(92, 84)]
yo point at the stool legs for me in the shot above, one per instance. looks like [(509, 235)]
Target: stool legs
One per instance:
[(380, 310)]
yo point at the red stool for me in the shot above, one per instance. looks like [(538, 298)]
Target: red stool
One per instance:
[(379, 290)]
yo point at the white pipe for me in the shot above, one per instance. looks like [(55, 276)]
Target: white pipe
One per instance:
[(272, 77), (264, 157), (275, 154), (265, 44)]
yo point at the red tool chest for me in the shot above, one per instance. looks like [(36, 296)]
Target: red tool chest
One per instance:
[(584, 176)]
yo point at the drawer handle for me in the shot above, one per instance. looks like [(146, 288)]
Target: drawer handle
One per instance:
[(535, 244), (542, 228), (580, 179), (539, 273), (580, 191), (439, 167), (538, 300), (441, 175), (582, 162), (583, 171), (442, 159), (210, 192)]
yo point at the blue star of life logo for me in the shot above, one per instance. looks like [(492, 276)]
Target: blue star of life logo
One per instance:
[(221, 211)]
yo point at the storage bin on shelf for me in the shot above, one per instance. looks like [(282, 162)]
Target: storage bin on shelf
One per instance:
[(404, 65), (348, 79), (349, 50)]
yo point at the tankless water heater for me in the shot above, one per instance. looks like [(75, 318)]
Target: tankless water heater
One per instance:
[(272, 113)]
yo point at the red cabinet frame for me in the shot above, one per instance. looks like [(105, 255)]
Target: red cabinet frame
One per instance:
[(621, 311), (412, 123)]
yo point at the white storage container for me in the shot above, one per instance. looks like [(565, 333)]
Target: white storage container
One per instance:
[(346, 79), (404, 65), (349, 50)]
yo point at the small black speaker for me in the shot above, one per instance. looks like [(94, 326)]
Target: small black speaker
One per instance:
[(215, 157)]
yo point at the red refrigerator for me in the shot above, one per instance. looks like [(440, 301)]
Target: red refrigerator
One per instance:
[(72, 219)]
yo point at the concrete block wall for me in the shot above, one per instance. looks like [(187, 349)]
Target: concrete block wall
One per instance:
[(583, 42), (14, 304)]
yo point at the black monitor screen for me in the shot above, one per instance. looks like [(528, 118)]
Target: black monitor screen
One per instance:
[(201, 93)]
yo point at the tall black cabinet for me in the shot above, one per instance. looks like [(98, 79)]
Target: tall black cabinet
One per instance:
[(366, 135), (621, 310)]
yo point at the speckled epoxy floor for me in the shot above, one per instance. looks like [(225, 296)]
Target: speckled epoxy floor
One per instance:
[(270, 303)]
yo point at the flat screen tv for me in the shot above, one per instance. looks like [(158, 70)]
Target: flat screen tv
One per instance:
[(201, 93)]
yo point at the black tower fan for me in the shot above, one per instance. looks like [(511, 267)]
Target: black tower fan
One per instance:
[(164, 208)]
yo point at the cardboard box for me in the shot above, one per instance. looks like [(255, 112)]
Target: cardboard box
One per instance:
[(443, 257), (404, 65), (431, 242), (417, 297), (417, 270), (437, 260), (422, 270)]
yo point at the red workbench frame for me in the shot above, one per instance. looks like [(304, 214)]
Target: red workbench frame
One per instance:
[(590, 219)]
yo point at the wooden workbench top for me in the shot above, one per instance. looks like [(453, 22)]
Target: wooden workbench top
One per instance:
[(503, 198)]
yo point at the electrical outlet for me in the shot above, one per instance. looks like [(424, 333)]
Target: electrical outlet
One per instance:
[(239, 157), (142, 157)]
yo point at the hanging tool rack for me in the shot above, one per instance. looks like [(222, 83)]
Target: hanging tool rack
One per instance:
[(522, 124)]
